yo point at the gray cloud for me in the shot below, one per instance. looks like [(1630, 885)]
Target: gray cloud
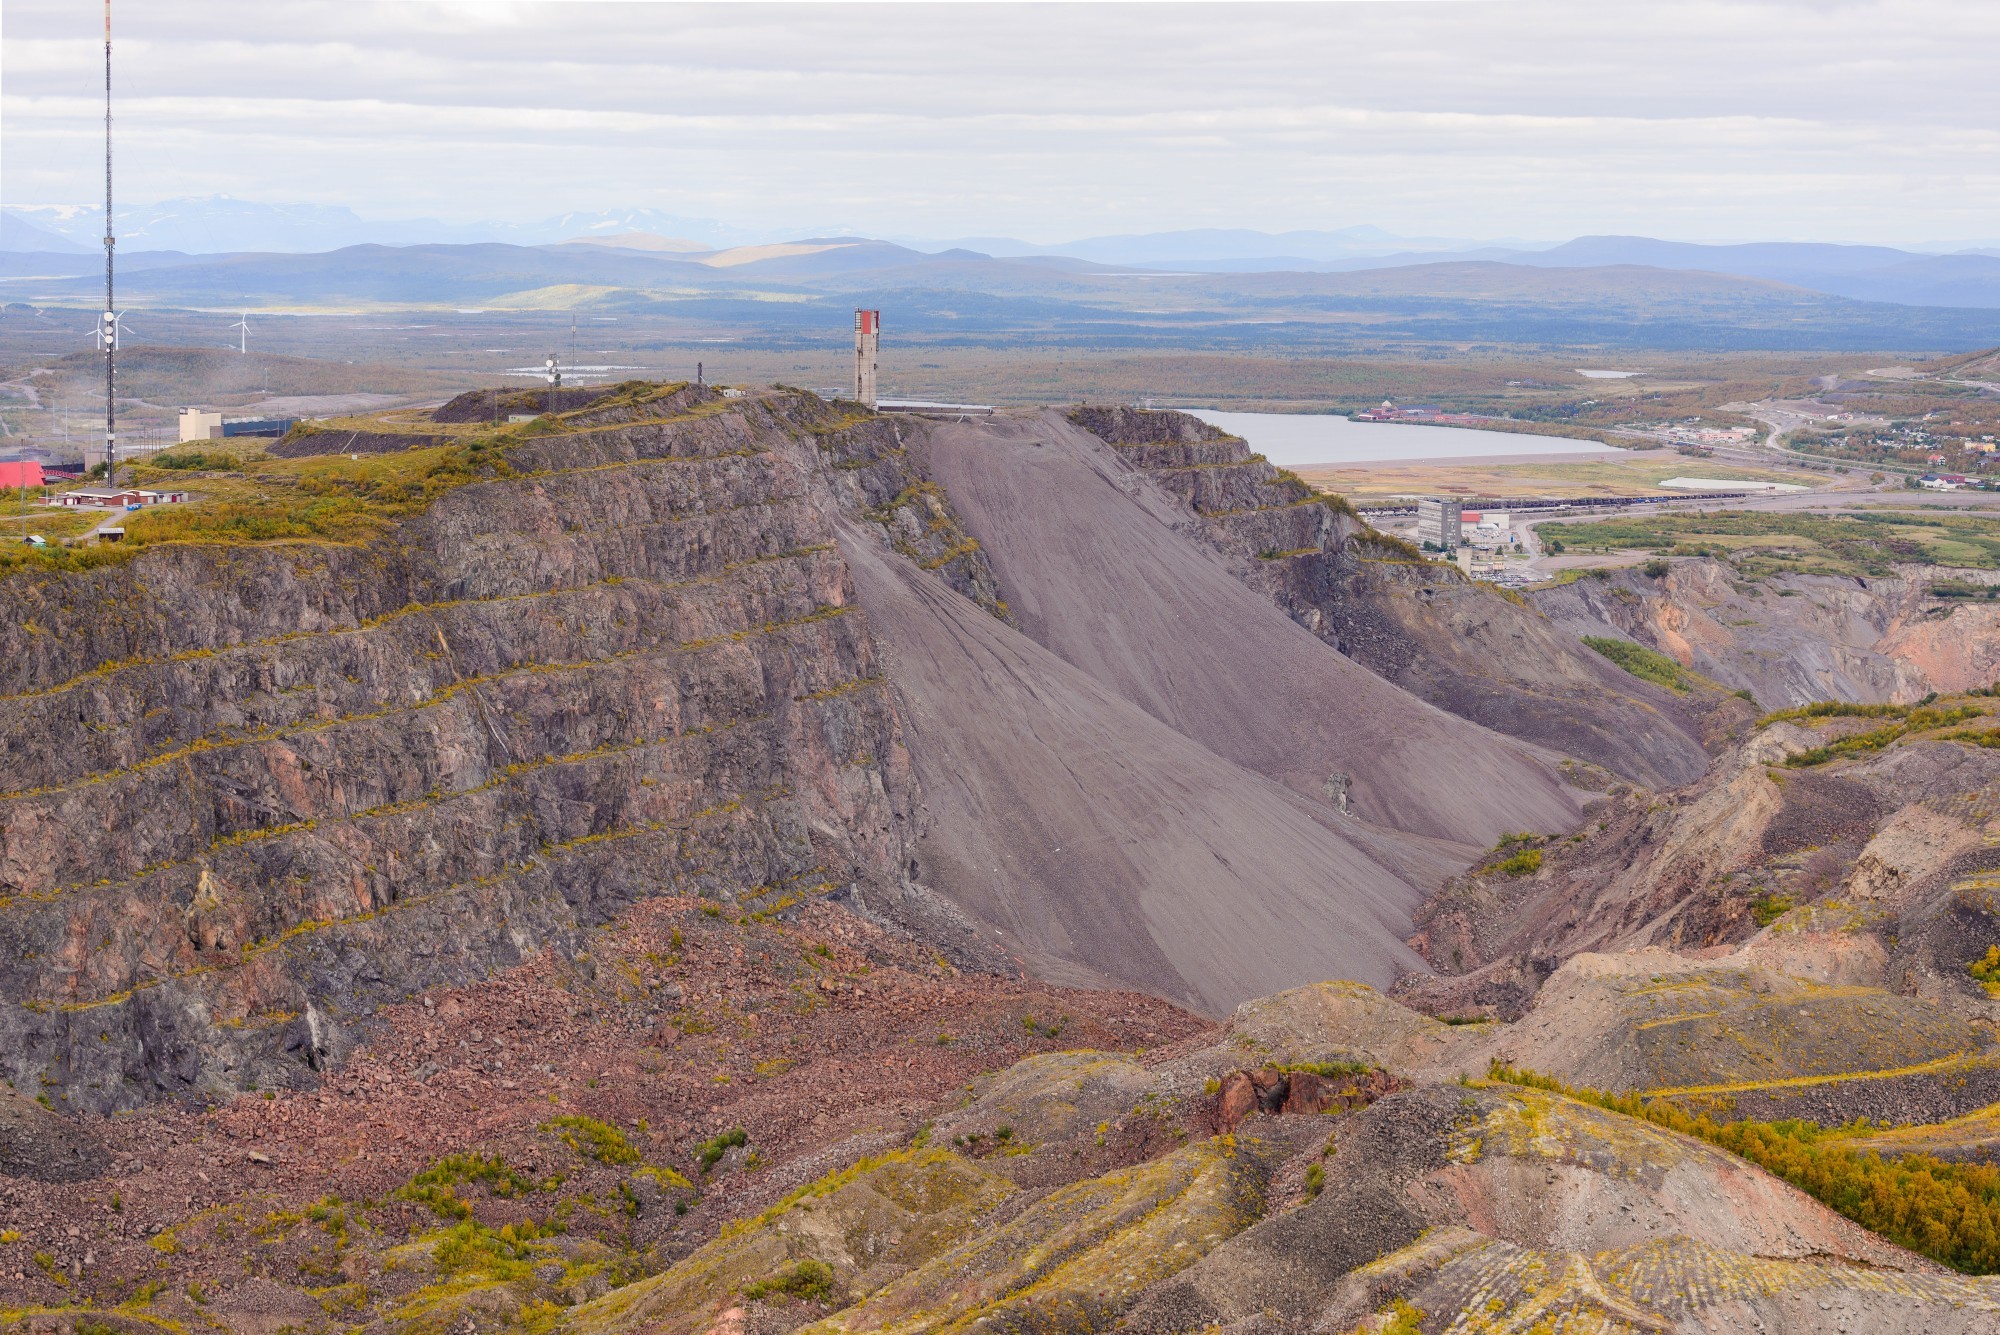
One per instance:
[(1861, 122)]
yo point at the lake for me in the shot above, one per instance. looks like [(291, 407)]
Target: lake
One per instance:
[(1296, 440)]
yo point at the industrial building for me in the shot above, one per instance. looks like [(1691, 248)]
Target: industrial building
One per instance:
[(199, 425), (116, 498), (1438, 523), (930, 408), (1482, 563)]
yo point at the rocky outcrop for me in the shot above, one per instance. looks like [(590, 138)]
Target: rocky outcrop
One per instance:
[(1277, 1091), (497, 405), (854, 1172), (584, 1090), (1861, 869), (254, 793), (878, 483), (1793, 639), (1457, 644)]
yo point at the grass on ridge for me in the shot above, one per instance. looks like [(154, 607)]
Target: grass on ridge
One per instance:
[(1763, 542), (1903, 721), (243, 496), (1946, 1210), (1643, 663)]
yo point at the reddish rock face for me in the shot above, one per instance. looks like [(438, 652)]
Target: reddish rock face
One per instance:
[(1239, 1098), (1271, 1085), (1277, 1092), (1308, 1093)]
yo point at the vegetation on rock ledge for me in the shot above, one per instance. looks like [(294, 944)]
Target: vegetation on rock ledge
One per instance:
[(1948, 1211)]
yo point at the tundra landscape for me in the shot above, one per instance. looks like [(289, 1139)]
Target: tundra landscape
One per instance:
[(632, 775)]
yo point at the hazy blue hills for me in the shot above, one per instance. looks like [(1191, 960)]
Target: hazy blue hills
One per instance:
[(219, 227), (1867, 273), (803, 289), (220, 224), (1237, 246), (18, 234)]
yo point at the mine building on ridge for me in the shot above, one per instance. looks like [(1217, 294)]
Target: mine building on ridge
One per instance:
[(199, 425), (1438, 524), (867, 353)]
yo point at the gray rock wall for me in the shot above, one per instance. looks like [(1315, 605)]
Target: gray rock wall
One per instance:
[(251, 793)]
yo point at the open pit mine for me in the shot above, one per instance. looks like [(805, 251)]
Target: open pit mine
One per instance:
[(687, 862)]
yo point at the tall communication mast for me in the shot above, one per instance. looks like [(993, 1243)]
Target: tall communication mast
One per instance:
[(109, 333)]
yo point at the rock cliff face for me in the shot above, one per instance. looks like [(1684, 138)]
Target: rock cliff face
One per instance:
[(1459, 645), (253, 793), (1868, 867), (256, 792), (1793, 639)]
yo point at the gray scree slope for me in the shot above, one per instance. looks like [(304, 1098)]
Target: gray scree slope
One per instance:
[(1141, 787), (1099, 843), (1105, 570)]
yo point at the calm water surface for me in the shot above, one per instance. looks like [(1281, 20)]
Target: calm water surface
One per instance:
[(1293, 440)]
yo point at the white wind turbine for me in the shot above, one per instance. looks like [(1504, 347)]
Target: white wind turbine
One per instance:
[(111, 330), (243, 338)]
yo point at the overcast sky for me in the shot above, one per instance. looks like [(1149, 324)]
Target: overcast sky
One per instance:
[(1699, 121)]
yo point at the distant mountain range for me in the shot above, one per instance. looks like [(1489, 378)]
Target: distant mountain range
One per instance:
[(1865, 273), (18, 234), (1235, 247), (800, 291), (1969, 277), (219, 225), (222, 228)]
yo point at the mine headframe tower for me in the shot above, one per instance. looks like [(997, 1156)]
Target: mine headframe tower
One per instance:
[(867, 355)]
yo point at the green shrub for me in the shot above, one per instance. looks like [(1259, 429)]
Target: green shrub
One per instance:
[(1045, 1028), (1643, 663), (593, 1139), (505, 1254), (1917, 720), (809, 1280), (1330, 1070), (711, 1151), (1987, 970), (1833, 709), (1524, 863), (198, 461), (1767, 909)]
